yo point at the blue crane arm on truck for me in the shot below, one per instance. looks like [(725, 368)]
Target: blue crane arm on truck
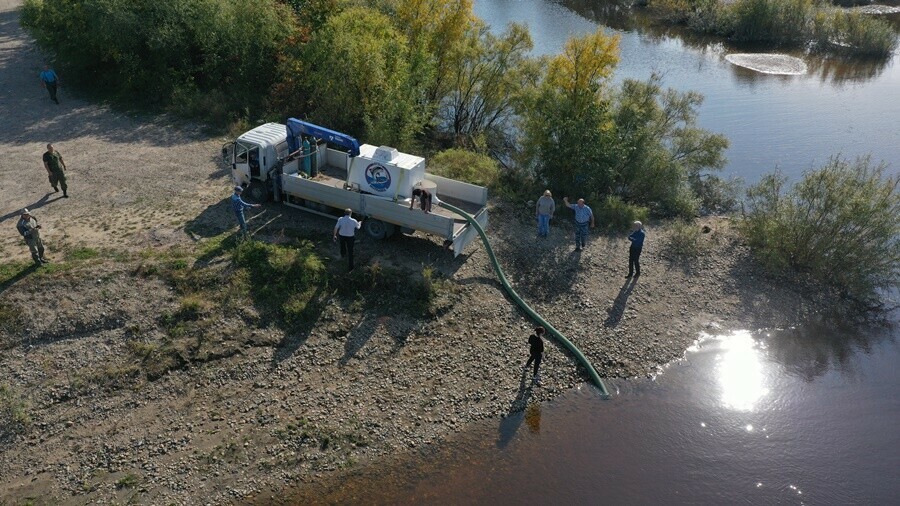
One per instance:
[(296, 128)]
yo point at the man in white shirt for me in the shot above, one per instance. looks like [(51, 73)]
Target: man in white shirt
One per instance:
[(346, 228)]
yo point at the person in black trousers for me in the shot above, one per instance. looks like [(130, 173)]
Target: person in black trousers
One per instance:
[(634, 252), (424, 199), (346, 228), (536, 350)]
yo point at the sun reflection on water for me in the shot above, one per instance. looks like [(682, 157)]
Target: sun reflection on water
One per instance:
[(740, 372)]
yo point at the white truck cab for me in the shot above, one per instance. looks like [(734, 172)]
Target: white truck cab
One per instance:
[(254, 157)]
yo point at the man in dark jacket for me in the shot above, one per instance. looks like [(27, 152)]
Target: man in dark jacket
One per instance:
[(536, 351), (634, 252)]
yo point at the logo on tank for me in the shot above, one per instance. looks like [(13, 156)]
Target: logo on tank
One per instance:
[(378, 177)]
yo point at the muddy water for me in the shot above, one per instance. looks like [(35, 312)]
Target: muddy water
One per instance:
[(802, 416), (792, 122)]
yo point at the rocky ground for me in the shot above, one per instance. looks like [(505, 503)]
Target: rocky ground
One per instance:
[(255, 406)]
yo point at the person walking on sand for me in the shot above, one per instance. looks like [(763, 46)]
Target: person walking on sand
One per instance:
[(56, 170), (634, 252), (346, 228), (583, 217), (544, 212), (424, 199), (536, 353), (51, 82), (30, 230), (238, 205)]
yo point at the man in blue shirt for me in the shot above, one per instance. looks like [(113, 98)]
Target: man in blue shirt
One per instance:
[(634, 253), (51, 81), (238, 205), (583, 217)]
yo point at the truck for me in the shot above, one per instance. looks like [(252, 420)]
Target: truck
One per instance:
[(324, 172)]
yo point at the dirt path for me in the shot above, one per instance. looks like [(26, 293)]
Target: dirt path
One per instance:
[(133, 182)]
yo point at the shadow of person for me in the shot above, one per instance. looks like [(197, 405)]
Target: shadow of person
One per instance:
[(513, 419), (24, 271), (618, 305), (214, 220), (357, 338), (41, 202)]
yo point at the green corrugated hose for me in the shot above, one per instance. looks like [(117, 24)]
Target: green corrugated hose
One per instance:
[(525, 307)]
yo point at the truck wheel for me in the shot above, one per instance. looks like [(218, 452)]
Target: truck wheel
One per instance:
[(377, 229), (258, 192)]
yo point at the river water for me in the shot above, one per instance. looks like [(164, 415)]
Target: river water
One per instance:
[(796, 416), (808, 415), (792, 122)]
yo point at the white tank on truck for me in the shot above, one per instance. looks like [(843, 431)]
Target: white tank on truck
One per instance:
[(385, 171)]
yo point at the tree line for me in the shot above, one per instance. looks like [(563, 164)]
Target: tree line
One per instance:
[(427, 76)]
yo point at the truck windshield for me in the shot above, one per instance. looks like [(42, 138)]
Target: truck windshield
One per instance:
[(240, 152)]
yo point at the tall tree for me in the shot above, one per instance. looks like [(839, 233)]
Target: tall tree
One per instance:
[(359, 78), (564, 118), (492, 75)]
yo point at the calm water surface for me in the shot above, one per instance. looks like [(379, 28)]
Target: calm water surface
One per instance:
[(803, 416), (792, 122), (799, 416)]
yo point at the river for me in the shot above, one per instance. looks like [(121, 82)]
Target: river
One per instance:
[(790, 122), (807, 415), (794, 416)]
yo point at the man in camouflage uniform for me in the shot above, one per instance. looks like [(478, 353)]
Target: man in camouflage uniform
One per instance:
[(56, 167), (30, 230)]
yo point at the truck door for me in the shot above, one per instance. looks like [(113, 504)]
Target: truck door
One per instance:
[(240, 162)]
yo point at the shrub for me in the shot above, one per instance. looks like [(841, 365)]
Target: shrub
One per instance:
[(840, 225), (684, 239), (778, 21), (862, 34), (717, 195), (616, 214), (789, 22), (466, 166)]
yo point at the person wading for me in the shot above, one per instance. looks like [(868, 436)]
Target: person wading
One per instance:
[(346, 228)]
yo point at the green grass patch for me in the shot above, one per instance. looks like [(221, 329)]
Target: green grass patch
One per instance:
[(284, 280), (128, 481), (10, 318), (14, 416), (81, 254)]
